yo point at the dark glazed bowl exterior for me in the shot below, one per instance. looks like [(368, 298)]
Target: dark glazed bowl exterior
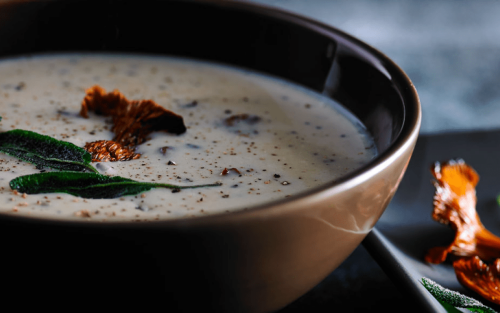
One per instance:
[(257, 260)]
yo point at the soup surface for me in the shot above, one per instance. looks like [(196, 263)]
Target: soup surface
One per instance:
[(293, 139)]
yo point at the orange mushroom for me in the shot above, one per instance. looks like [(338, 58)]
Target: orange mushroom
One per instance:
[(226, 171), (133, 120), (480, 277), (455, 205), (108, 150)]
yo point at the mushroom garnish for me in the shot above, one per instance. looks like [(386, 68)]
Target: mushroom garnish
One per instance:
[(108, 150), (455, 205), (480, 277), (133, 120), (226, 171)]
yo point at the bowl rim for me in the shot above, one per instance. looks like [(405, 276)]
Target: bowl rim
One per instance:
[(404, 141)]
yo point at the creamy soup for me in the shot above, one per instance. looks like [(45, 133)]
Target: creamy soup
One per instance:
[(293, 140)]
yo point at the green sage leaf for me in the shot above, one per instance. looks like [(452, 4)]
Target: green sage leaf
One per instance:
[(87, 185), (45, 151), (454, 298)]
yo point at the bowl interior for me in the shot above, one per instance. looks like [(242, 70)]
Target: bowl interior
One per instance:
[(248, 36)]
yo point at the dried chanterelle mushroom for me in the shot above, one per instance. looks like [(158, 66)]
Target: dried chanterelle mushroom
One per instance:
[(479, 276), (133, 120), (475, 251), (108, 150)]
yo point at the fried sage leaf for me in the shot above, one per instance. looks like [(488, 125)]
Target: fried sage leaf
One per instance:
[(452, 298), (87, 185), (45, 151)]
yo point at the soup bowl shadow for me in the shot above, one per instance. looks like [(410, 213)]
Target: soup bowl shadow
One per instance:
[(257, 260)]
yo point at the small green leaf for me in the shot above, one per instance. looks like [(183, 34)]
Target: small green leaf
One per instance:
[(87, 185), (45, 151), (449, 308), (454, 298)]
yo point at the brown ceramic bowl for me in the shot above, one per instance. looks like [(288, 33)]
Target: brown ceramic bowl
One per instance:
[(257, 260)]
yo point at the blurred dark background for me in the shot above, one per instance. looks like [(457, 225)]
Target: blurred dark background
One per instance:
[(449, 48)]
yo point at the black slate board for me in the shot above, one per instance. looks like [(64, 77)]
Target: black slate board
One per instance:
[(406, 230)]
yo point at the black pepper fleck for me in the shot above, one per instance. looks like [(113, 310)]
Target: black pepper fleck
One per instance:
[(20, 86), (191, 104)]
